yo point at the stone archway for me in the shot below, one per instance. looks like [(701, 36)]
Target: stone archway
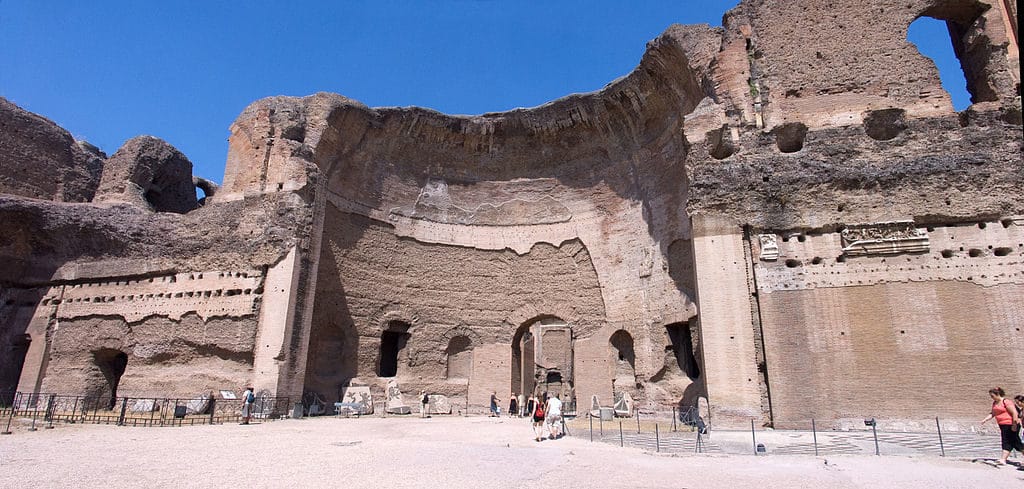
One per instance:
[(624, 361), (542, 357)]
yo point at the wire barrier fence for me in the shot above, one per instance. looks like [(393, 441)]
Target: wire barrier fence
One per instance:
[(686, 432), (43, 410)]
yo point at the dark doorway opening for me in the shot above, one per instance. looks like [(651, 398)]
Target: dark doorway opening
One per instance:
[(681, 338), (392, 342), (112, 364)]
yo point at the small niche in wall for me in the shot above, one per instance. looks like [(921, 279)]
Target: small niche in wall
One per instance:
[(946, 253), (791, 263), (974, 253), (789, 137), (1002, 251)]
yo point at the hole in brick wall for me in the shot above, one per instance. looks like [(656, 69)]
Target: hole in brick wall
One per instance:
[(981, 225), (791, 263), (885, 124), (816, 260), (1002, 251), (974, 253), (841, 259), (789, 137), (719, 143), (946, 253), (963, 62), (801, 238), (1006, 222)]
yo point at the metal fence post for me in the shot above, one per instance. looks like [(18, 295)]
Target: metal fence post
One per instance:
[(657, 438), (673, 418), (49, 412), (35, 410), (212, 407), (621, 444), (14, 405), (124, 409), (74, 411), (600, 422), (637, 410), (874, 432), (752, 435), (591, 428), (814, 431), (939, 428)]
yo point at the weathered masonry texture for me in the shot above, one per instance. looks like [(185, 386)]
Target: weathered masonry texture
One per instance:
[(784, 217)]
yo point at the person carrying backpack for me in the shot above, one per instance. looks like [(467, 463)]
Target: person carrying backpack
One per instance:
[(248, 400), (538, 420)]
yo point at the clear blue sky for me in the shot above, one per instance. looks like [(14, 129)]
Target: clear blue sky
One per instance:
[(183, 70)]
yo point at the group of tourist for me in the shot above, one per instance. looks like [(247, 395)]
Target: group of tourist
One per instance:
[(1007, 414), (545, 411)]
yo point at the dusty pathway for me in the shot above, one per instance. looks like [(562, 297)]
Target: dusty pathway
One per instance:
[(435, 453)]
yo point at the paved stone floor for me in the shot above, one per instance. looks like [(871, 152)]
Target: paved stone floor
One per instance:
[(446, 452)]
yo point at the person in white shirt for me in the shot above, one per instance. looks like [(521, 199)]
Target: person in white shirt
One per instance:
[(553, 417)]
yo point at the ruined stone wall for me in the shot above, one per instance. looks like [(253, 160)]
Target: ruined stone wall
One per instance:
[(906, 336), (634, 214), (825, 65), (183, 334), (369, 277), (40, 160)]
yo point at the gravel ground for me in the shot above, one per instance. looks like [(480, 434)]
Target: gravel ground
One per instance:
[(436, 452)]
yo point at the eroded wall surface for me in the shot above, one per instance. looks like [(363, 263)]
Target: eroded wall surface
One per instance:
[(688, 224), (849, 336)]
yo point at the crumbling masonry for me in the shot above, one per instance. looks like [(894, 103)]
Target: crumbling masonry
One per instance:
[(784, 216)]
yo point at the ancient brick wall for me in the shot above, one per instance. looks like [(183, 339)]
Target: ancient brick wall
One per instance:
[(906, 336)]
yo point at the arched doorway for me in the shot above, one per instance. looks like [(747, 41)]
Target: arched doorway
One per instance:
[(459, 358), (624, 375), (542, 357)]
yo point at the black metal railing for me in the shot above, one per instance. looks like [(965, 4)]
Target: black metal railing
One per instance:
[(45, 409)]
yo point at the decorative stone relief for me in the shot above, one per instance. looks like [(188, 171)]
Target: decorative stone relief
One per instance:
[(884, 238), (395, 403), (769, 247), (355, 400)]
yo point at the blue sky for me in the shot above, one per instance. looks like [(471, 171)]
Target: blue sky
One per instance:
[(183, 70)]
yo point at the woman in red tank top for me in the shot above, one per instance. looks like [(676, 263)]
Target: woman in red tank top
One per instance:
[(1008, 419)]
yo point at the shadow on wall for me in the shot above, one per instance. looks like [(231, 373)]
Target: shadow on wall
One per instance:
[(334, 342)]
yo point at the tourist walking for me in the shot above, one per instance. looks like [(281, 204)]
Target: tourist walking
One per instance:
[(248, 399), (530, 403), (424, 401), (538, 420), (513, 405), (494, 404), (522, 406), (1005, 413), (553, 419)]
